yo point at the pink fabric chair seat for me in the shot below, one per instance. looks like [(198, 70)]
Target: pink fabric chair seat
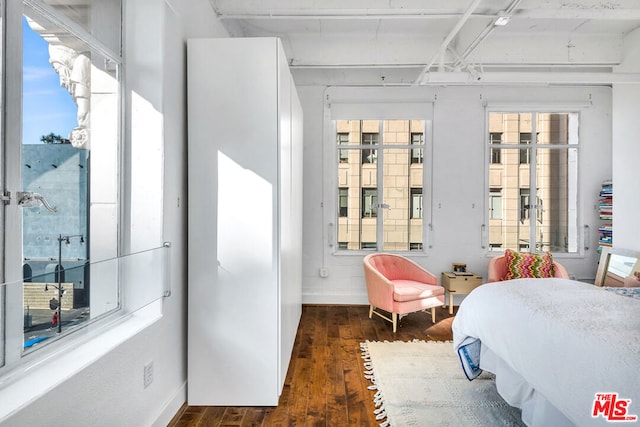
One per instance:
[(410, 290), (400, 286)]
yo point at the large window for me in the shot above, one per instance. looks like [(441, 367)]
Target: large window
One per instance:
[(532, 191), (384, 180), (64, 194)]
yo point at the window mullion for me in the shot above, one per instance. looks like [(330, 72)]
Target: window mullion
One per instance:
[(533, 193), (380, 188), (12, 309)]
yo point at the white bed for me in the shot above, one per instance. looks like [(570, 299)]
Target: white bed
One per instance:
[(553, 344)]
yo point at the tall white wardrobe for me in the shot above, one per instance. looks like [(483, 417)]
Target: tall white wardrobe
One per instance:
[(245, 220)]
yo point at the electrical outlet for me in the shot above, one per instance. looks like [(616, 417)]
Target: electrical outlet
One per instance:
[(148, 374)]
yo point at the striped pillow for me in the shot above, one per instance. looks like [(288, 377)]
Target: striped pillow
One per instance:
[(522, 264)]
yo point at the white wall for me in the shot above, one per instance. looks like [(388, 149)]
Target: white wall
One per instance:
[(110, 391), (458, 183), (626, 152)]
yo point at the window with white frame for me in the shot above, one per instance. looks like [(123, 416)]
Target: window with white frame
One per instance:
[(535, 183), (67, 182), (386, 170)]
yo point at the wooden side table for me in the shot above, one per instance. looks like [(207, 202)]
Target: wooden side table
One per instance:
[(459, 283)]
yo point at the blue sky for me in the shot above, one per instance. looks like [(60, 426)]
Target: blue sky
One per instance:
[(47, 107)]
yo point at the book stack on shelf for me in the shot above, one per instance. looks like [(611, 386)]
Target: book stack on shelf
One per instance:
[(606, 214)]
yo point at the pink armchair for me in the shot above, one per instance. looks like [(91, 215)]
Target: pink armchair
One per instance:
[(497, 269), (400, 286)]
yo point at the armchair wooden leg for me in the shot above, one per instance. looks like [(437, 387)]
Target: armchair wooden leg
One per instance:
[(433, 315), (370, 311), (394, 320)]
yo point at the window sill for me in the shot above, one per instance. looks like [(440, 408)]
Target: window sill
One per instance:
[(556, 255), (30, 381), (358, 253)]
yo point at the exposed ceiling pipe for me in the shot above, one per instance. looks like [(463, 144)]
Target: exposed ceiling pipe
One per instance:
[(604, 67), (343, 14), (445, 43), (532, 12)]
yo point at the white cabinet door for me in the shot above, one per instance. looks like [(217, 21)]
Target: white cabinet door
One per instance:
[(239, 185)]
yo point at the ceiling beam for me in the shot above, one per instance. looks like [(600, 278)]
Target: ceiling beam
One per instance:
[(427, 14), (345, 14), (516, 77), (439, 55), (597, 13)]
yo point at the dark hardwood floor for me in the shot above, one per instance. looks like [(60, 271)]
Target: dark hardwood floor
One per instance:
[(325, 385)]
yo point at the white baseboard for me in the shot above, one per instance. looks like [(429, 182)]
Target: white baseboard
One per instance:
[(172, 407), (335, 299)]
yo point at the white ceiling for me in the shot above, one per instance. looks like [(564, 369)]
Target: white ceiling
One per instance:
[(403, 42)]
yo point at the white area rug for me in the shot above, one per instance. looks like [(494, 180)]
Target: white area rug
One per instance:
[(422, 384)]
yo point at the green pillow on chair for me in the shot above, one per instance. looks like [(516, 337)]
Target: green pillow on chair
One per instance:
[(527, 265)]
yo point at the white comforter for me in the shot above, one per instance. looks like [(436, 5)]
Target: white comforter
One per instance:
[(555, 343)]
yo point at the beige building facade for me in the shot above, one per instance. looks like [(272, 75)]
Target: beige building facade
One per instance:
[(389, 216), (533, 157)]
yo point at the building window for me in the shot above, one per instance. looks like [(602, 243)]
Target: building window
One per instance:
[(369, 155), (525, 153), (390, 212), (416, 203), (495, 203), (343, 139), (417, 154), (538, 181), (343, 203), (369, 203), (495, 138), (524, 204)]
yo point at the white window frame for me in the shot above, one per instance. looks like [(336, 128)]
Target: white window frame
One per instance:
[(14, 359), (568, 108), (374, 104)]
